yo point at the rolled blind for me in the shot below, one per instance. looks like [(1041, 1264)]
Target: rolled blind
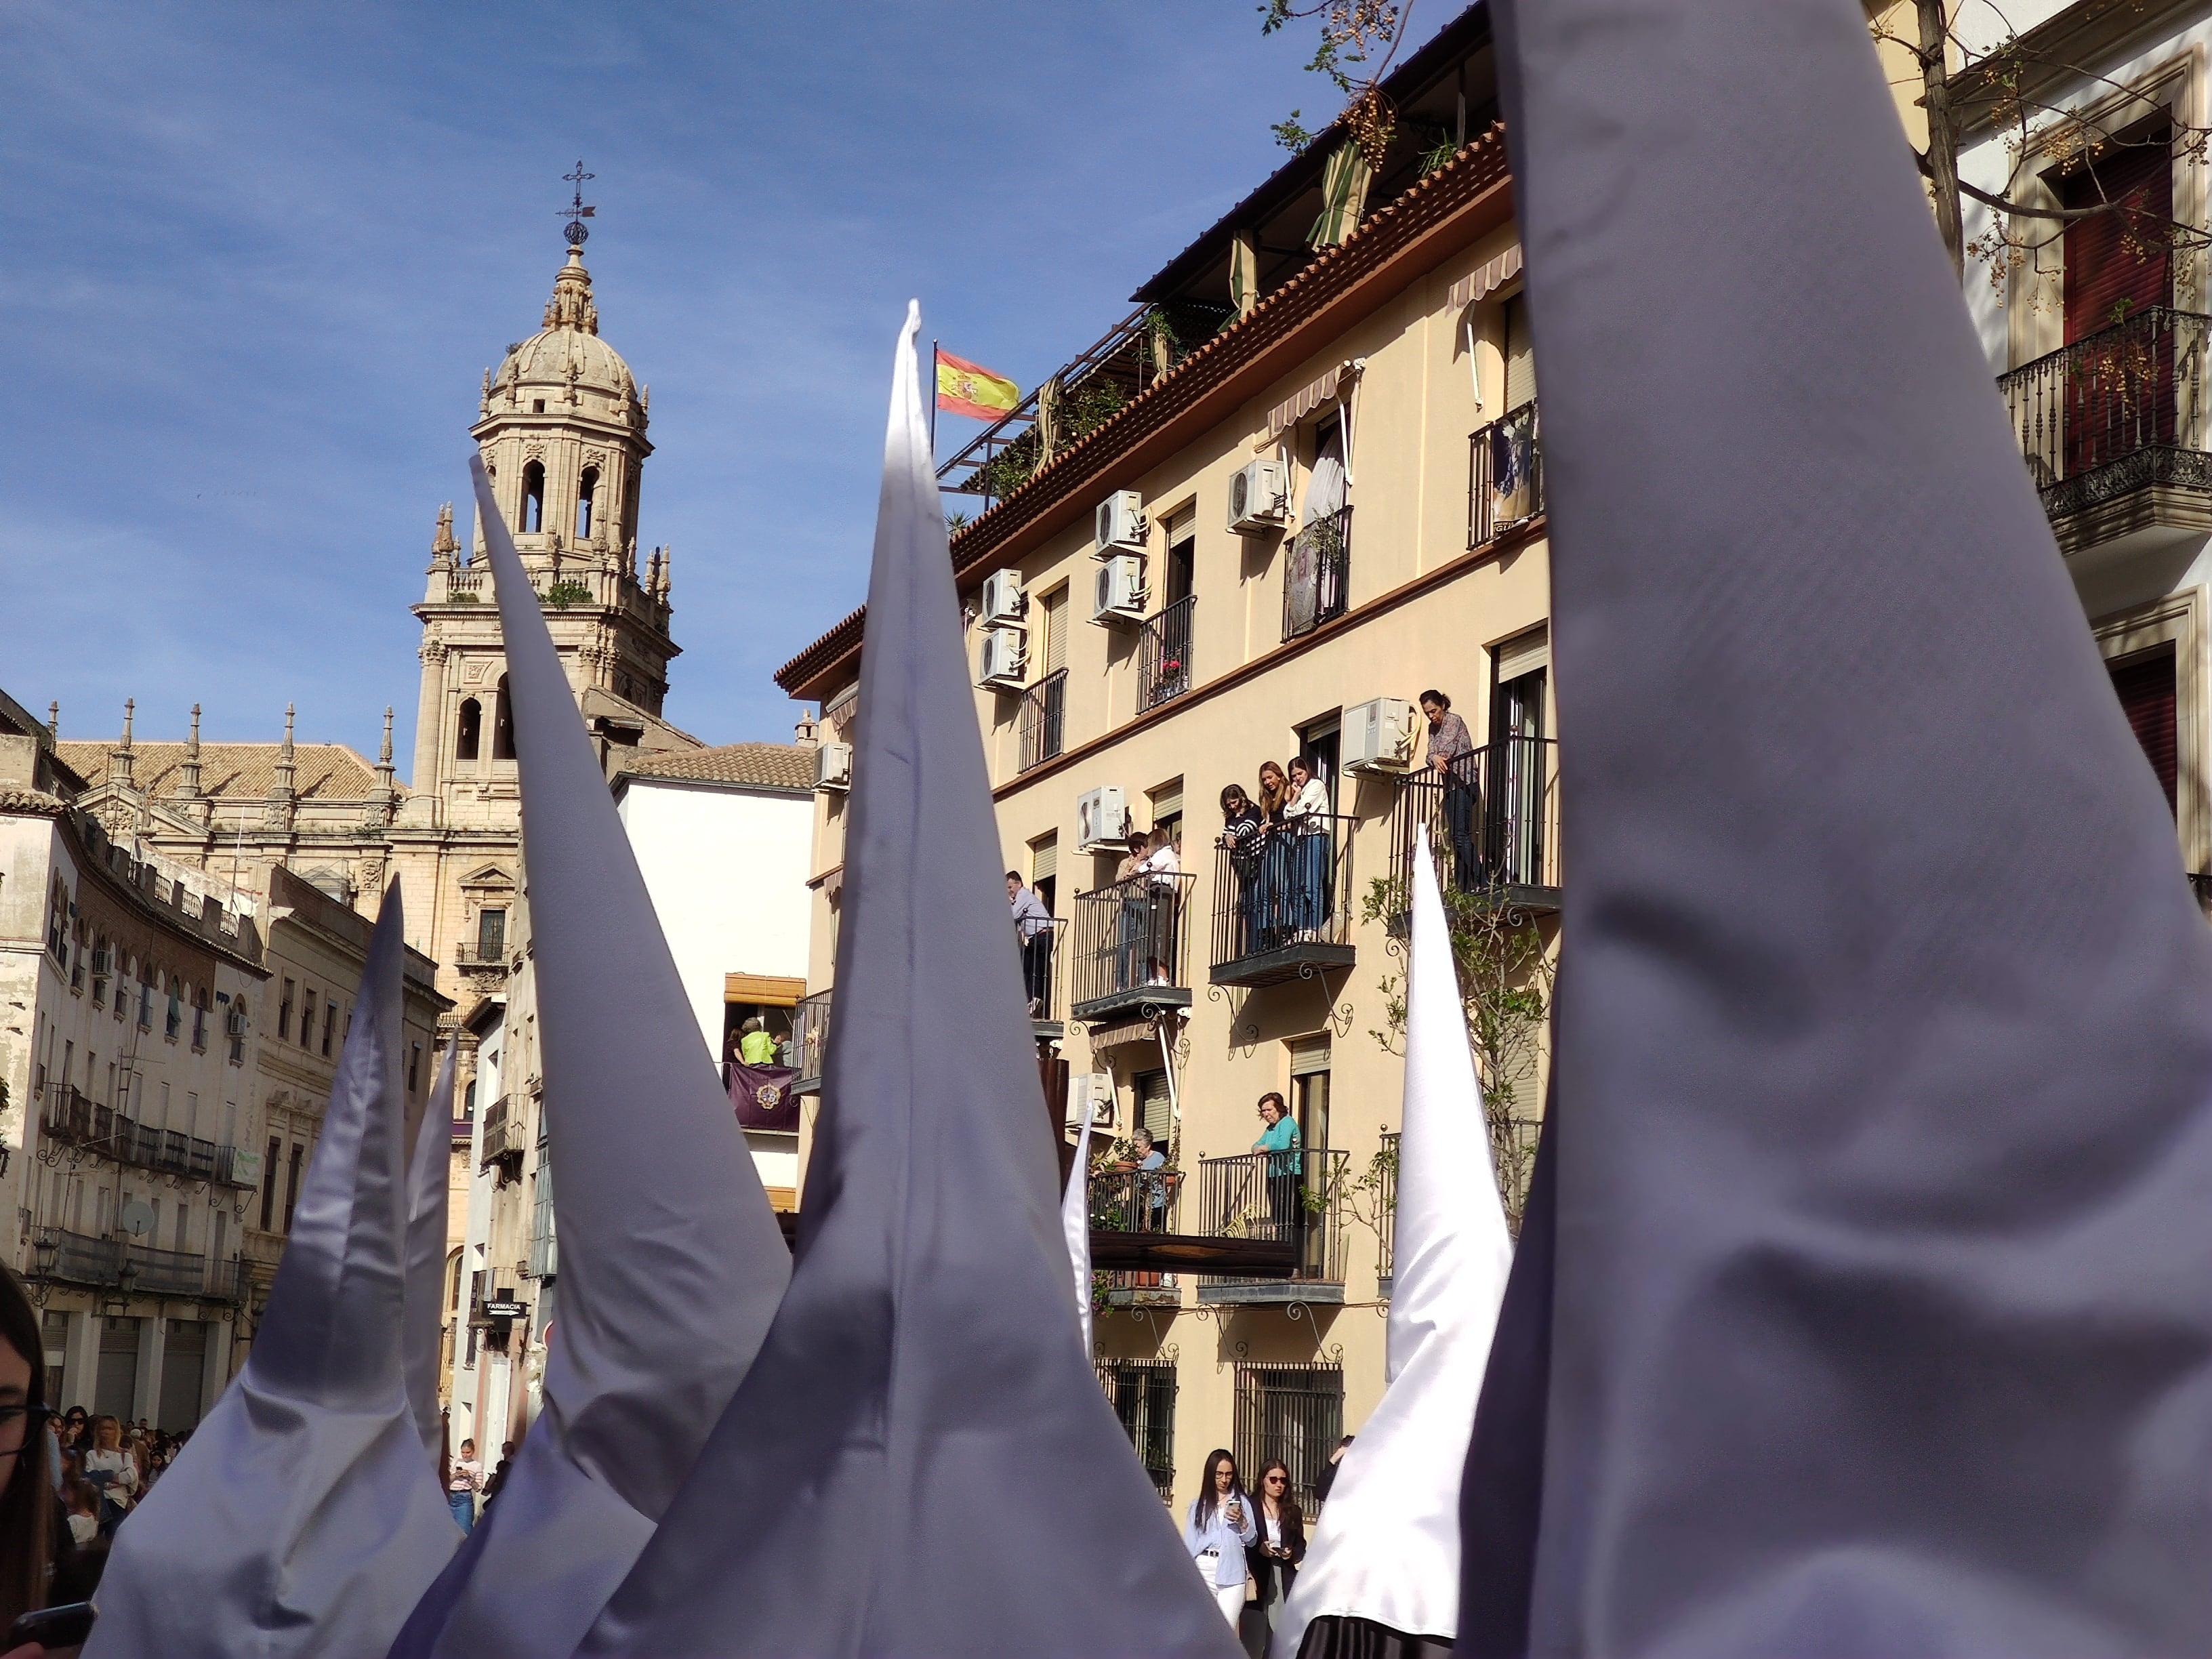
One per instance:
[(2120, 258), (1044, 857), (1520, 359), (2146, 690)]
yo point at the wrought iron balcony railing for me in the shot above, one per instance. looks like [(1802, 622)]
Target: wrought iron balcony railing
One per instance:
[(1493, 824), (1163, 654), (2117, 412), (70, 1118), (1044, 976), (1317, 573), (1044, 707), (1146, 1203), (810, 1041), (503, 1139), (1295, 1198), (1130, 947), (1505, 475), (1282, 904), (1386, 1212)]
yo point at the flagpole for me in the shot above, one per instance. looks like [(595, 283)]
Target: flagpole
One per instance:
[(932, 402)]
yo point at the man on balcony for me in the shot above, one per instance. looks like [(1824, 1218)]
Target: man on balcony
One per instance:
[(1033, 932), (1451, 756)]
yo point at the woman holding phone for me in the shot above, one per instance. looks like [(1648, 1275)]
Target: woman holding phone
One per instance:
[(1281, 1545), (1220, 1527)]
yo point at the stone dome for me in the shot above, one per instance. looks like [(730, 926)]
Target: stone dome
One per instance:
[(569, 352)]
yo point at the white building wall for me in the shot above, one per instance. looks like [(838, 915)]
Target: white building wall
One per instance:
[(727, 868)]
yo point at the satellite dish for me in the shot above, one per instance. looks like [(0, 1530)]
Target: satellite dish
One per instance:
[(138, 1218)]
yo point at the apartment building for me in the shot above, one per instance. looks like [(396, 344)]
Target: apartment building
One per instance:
[(1299, 486), (2095, 327)]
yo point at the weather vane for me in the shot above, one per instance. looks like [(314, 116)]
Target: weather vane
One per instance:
[(576, 213)]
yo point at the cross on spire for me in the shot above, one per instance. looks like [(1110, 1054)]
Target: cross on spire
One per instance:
[(576, 212)]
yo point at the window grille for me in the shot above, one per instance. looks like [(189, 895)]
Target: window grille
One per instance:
[(1142, 1391), (1292, 1412)]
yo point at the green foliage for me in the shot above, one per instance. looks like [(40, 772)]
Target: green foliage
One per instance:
[(562, 594), (1291, 136), (956, 522), (1439, 152)]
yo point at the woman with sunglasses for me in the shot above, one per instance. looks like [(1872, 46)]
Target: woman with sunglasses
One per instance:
[(1281, 1545), (27, 1494)]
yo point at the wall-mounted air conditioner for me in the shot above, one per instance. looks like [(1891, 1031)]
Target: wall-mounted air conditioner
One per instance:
[(1118, 592), (1091, 1092), (1004, 602), (1378, 735), (234, 1022), (1001, 667), (103, 963), (833, 766), (1118, 527), (1259, 497), (1102, 820)]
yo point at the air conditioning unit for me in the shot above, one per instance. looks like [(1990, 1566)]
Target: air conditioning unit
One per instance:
[(1001, 667), (1378, 735), (1118, 595), (1118, 524), (833, 766), (1004, 602), (1090, 1092), (103, 963), (1259, 497), (1102, 820), (234, 1022)]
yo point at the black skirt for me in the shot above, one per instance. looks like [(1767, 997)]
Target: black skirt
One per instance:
[(1339, 1635)]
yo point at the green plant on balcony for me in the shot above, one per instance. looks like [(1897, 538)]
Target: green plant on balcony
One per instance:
[(1506, 972), (562, 594)]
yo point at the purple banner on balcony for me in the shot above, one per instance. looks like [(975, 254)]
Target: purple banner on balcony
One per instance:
[(764, 1097)]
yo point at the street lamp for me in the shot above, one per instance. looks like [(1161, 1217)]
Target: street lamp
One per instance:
[(45, 1256), (117, 1302)]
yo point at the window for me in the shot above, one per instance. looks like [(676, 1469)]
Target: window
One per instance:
[(533, 492), (145, 1004), (183, 1222), (1155, 1105), (2117, 262), (587, 490), (1182, 554), (57, 927), (284, 1014), (2145, 686), (330, 1026), (307, 1019), (292, 1184), (491, 934), (1310, 1060), (414, 1067), (1291, 1413), (175, 1020), (269, 1182), (1055, 631), (503, 724), (1167, 810), (1144, 1395), (537, 405), (199, 1024), (468, 729)]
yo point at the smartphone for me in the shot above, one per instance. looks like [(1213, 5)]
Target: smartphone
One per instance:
[(65, 1627)]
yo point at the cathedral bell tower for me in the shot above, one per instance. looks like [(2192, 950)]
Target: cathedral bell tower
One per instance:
[(561, 426)]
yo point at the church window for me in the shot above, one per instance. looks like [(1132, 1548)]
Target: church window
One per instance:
[(469, 733), (537, 405), (533, 497), (503, 724), (491, 934), (586, 491)]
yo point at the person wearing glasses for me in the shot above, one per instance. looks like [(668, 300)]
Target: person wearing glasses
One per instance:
[(1218, 1530), (27, 1504), (1275, 1557)]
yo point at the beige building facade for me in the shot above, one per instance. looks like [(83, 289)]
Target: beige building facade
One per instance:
[(1320, 496)]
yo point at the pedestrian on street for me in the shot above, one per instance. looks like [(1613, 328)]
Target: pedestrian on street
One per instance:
[(1220, 1526), (28, 1507), (1282, 1543), (114, 1468), (462, 1484)]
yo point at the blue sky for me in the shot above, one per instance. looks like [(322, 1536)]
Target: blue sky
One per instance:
[(254, 260)]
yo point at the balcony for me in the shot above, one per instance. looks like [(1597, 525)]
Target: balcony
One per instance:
[(1293, 1201), (2113, 430), (1043, 720), (1130, 948), (71, 1119), (809, 1041), (1044, 980), (135, 1270), (1493, 824), (1139, 1207), (1283, 911), (1386, 1215), (1316, 575), (1505, 476), (1164, 655)]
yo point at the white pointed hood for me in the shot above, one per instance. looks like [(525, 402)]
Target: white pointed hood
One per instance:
[(300, 1518), (672, 1263), (429, 1179)]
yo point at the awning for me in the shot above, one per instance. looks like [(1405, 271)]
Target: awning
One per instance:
[(1486, 278), (1288, 413), (1114, 1036)]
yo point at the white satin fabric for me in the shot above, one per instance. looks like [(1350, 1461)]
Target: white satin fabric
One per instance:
[(1387, 1545)]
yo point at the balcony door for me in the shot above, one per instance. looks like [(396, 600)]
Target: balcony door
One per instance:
[(1514, 827), (2117, 262), (2145, 686)]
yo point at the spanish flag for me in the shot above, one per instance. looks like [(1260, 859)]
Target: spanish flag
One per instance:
[(966, 388)]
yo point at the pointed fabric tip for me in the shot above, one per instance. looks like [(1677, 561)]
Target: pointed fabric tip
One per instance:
[(429, 1181), (1075, 1226), (1387, 1547), (672, 1263), (1878, 1322), (301, 1517), (923, 1395)]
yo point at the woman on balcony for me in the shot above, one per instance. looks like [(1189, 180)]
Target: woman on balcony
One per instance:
[(1307, 819), (1162, 867), (1242, 835), (1129, 923), (1272, 883)]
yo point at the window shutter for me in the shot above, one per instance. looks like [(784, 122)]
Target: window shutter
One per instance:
[(1309, 1055), (1167, 802), (2146, 691), (2102, 269), (1044, 857), (1520, 359), (1155, 1112), (1055, 629), (1524, 653)]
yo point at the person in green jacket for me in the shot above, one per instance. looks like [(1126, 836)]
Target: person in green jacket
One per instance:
[(755, 1046)]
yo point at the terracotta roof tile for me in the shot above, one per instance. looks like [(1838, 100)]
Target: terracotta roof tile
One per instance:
[(235, 771), (762, 765)]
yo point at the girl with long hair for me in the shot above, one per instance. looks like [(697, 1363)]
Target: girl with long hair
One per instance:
[(26, 1489), (1282, 1542), (1220, 1528)]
